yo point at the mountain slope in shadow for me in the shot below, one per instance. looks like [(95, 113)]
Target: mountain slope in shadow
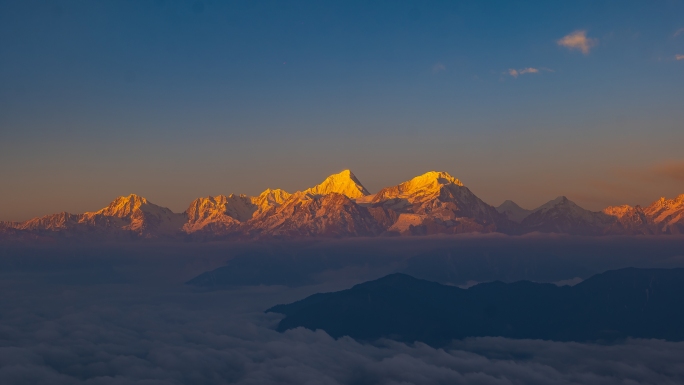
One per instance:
[(639, 303)]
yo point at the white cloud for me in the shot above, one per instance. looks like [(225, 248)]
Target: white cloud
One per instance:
[(528, 70), (578, 40), (679, 57), (679, 32)]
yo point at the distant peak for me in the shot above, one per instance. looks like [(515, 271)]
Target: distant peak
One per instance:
[(125, 205), (560, 201), (509, 203), (431, 178), (344, 175), (663, 201), (270, 197), (513, 211), (428, 184), (273, 192), (344, 183), (441, 177), (212, 199), (130, 199), (618, 211)]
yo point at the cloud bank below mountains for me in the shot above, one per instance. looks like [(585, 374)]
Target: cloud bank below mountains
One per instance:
[(140, 329), (171, 342)]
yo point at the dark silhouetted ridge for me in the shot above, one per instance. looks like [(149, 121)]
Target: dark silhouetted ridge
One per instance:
[(639, 303)]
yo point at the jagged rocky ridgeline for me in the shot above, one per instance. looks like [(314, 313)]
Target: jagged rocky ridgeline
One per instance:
[(432, 203)]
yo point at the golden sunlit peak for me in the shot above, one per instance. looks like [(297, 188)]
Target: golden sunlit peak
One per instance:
[(618, 211), (344, 183), (270, 197), (429, 183), (663, 201), (430, 177), (124, 205), (274, 192), (130, 199)]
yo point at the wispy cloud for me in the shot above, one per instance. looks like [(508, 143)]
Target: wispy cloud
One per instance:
[(438, 67), (578, 40), (679, 57), (529, 70), (679, 32)]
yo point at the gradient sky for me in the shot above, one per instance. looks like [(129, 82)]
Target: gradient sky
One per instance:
[(174, 100)]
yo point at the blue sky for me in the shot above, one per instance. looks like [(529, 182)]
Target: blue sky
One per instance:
[(179, 99)]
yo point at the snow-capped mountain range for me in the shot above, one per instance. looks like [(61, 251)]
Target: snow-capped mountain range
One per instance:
[(432, 203)]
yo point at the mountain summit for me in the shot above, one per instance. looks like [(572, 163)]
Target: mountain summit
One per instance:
[(513, 211), (561, 215), (437, 203), (344, 183), (125, 206), (429, 183)]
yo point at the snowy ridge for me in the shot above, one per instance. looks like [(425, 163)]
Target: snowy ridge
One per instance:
[(340, 206)]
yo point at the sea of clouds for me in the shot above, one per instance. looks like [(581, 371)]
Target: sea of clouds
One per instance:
[(103, 321)]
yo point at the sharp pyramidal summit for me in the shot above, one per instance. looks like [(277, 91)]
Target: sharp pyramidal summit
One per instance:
[(432, 203)]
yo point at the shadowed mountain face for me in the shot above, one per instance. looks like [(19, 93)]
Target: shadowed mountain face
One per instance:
[(639, 303), (513, 211), (561, 215), (341, 207)]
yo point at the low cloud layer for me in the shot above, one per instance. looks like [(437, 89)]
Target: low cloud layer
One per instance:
[(177, 343), (578, 40), (146, 331)]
